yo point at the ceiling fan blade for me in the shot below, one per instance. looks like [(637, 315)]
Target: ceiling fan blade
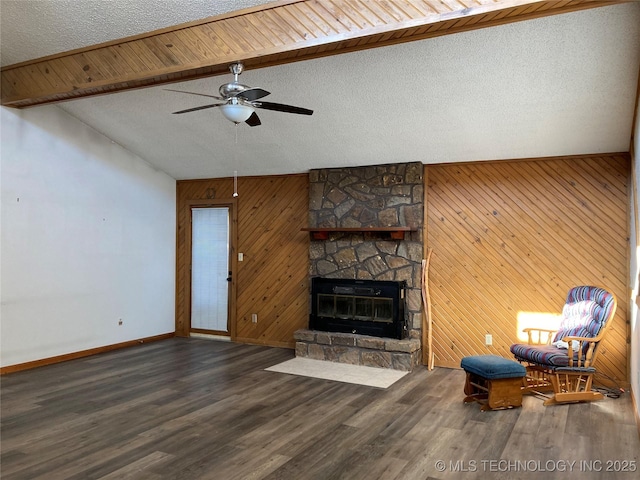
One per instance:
[(194, 93), (253, 120), (279, 107), (252, 94), (195, 109)]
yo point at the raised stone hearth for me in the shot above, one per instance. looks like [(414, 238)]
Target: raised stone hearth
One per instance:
[(359, 349)]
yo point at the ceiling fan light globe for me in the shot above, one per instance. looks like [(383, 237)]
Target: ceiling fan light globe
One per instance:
[(236, 113)]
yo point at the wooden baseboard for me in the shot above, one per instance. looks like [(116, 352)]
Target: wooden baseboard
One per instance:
[(84, 353), (448, 364), (254, 341)]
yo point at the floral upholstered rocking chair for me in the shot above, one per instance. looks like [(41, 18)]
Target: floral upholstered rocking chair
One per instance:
[(564, 361)]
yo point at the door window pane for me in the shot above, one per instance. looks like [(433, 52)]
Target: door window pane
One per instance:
[(209, 268)]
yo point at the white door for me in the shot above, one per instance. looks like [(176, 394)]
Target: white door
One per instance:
[(210, 275)]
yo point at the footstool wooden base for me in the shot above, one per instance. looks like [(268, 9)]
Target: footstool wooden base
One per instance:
[(493, 381)]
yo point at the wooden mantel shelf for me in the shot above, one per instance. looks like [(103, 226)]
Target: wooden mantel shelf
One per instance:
[(395, 233)]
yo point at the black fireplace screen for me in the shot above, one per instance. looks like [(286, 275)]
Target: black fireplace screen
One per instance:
[(364, 307), (356, 308)]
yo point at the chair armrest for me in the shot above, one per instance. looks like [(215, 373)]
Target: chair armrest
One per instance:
[(580, 339), (584, 358), (541, 332)]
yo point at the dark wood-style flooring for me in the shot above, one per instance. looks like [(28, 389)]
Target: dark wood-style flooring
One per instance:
[(200, 409)]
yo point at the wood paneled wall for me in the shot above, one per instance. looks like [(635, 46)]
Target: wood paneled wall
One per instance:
[(510, 238), (272, 280)]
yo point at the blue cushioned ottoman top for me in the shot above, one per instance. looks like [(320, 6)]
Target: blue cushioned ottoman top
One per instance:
[(492, 367)]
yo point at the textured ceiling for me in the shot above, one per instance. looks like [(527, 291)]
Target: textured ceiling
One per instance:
[(559, 85), (36, 28)]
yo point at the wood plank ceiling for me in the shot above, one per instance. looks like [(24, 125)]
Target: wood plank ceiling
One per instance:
[(273, 34)]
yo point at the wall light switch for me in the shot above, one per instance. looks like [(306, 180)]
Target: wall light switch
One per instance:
[(240, 257), (488, 339)]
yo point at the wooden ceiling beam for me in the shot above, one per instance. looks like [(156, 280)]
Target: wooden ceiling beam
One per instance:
[(273, 34)]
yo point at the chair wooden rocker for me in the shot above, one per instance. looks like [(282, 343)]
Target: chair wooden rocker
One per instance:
[(564, 362)]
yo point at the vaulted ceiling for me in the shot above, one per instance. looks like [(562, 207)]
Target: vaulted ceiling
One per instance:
[(542, 86)]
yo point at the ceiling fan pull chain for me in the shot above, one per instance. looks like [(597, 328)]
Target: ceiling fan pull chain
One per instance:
[(235, 172), (235, 183)]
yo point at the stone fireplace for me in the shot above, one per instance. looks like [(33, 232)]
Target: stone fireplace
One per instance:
[(356, 208)]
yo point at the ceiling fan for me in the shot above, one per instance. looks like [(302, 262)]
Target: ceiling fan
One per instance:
[(240, 101)]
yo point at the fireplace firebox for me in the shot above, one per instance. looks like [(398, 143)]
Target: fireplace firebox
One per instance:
[(365, 307)]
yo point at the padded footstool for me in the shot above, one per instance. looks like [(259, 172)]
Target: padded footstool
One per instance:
[(494, 381)]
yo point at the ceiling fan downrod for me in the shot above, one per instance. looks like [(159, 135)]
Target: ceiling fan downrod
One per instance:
[(234, 88), (236, 68)]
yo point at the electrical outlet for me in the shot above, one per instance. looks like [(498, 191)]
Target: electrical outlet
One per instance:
[(488, 339), (254, 318), (240, 257)]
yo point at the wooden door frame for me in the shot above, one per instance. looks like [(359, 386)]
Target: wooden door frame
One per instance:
[(232, 204)]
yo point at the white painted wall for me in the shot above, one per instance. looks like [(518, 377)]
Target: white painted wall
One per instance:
[(634, 270), (87, 238)]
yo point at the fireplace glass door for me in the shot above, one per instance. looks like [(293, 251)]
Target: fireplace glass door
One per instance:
[(362, 307), (349, 307)]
